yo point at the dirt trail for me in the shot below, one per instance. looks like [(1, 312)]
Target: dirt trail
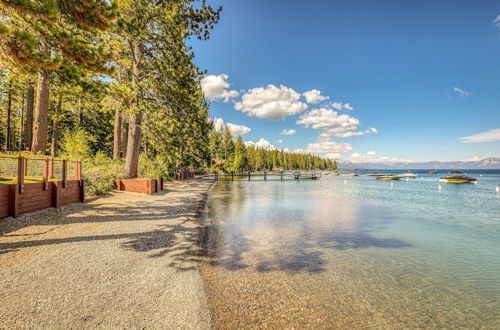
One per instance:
[(121, 261)]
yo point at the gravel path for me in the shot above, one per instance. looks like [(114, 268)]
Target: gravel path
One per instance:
[(122, 261)]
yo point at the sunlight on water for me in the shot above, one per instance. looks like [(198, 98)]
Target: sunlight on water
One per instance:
[(354, 252)]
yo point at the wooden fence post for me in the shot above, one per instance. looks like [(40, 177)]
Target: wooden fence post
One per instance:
[(78, 170), (20, 173), (248, 175), (64, 173), (14, 200), (51, 168), (281, 175), (232, 176), (265, 176), (55, 193), (45, 174), (82, 191)]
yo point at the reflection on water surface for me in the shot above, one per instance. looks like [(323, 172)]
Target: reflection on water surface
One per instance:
[(351, 252)]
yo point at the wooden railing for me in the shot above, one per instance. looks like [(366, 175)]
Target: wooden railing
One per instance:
[(47, 190), (188, 173)]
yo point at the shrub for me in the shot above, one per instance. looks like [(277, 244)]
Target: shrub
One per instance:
[(100, 173), (76, 144), (156, 167)]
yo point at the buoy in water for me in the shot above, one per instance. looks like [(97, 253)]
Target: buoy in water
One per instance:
[(439, 187), (497, 189)]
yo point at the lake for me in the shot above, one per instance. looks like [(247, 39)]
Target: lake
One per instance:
[(354, 252)]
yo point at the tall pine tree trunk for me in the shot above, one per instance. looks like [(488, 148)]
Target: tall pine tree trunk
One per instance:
[(134, 130), (124, 139), (117, 134), (55, 127), (39, 143), (134, 137), (21, 126), (9, 112), (28, 121)]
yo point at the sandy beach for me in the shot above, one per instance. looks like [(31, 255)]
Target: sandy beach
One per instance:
[(125, 260)]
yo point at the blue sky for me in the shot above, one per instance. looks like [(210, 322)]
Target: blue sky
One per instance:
[(419, 75)]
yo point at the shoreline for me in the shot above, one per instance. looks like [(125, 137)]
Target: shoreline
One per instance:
[(122, 260)]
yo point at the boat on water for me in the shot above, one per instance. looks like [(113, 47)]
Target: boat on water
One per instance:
[(456, 172), (354, 174), (433, 172), (457, 179), (335, 173), (389, 177), (408, 174)]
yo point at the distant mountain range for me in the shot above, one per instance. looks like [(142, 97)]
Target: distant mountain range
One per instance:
[(487, 163)]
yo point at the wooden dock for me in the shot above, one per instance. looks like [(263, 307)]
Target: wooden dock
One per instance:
[(265, 176)]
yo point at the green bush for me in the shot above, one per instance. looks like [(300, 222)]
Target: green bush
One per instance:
[(156, 167), (100, 173), (76, 144)]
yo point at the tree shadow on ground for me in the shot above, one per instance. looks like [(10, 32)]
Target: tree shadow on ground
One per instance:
[(186, 234)]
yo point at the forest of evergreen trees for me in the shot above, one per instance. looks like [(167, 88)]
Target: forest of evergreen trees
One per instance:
[(231, 156), (117, 80)]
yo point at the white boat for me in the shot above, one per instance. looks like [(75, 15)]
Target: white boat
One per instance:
[(457, 179), (388, 177), (408, 174)]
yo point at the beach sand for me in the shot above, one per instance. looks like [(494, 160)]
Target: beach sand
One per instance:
[(125, 260)]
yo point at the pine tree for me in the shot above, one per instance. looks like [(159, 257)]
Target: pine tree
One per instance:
[(41, 36), (240, 156), (153, 45)]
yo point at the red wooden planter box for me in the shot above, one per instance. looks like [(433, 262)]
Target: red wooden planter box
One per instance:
[(34, 197), (144, 186)]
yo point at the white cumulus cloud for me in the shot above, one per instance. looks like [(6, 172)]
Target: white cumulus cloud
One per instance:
[(218, 124), (460, 91), (342, 133), (324, 118), (332, 124), (288, 132), (340, 106), (235, 129), (337, 105), (496, 22), (333, 156), (216, 87), (328, 147), (261, 144), (347, 106), (238, 130), (271, 102), (488, 136), (369, 157), (314, 96), (473, 159)]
